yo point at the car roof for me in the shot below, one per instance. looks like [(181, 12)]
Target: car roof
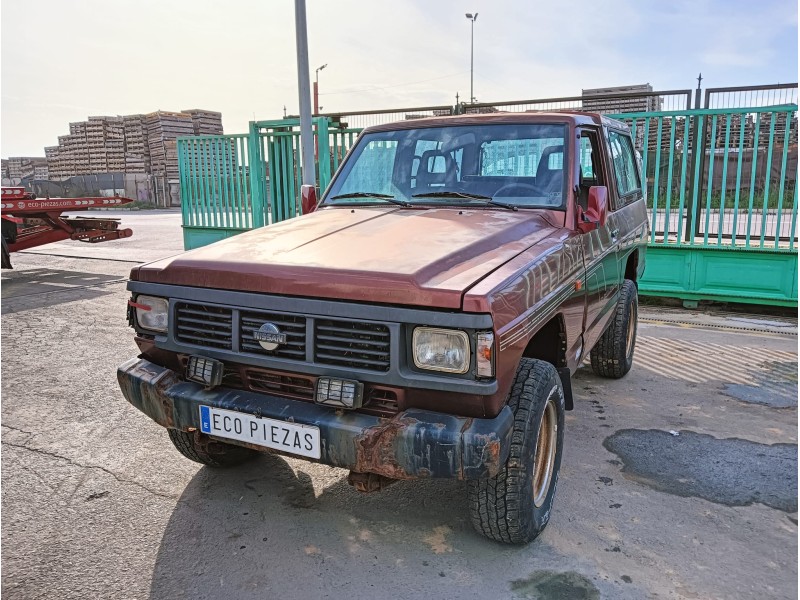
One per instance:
[(573, 117)]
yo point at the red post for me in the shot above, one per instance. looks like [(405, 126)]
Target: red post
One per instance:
[(316, 98)]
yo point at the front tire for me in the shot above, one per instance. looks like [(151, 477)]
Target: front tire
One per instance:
[(202, 449), (514, 506), (612, 356)]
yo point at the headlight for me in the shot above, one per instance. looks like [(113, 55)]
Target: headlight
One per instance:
[(441, 349), (151, 312)]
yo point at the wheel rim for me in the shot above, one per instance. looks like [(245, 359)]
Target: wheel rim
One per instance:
[(544, 461), (631, 331)]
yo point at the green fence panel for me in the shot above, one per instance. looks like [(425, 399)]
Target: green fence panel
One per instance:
[(215, 195)]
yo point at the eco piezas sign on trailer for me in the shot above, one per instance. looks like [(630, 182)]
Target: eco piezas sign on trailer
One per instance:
[(29, 222), (422, 321)]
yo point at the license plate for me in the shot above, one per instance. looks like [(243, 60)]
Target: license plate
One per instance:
[(293, 438)]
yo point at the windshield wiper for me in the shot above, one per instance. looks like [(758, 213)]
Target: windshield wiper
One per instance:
[(375, 195), (451, 194)]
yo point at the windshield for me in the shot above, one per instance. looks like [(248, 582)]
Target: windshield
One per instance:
[(515, 164)]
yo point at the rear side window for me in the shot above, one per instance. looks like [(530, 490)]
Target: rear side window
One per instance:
[(624, 161)]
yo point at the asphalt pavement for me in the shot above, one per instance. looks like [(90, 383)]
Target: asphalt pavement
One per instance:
[(678, 481)]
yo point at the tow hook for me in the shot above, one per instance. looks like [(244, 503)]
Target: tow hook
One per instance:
[(369, 482)]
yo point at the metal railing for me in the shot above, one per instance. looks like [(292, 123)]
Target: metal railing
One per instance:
[(751, 95), (601, 103), (360, 120)]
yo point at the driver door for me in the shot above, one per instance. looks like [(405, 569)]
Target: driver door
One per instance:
[(599, 245)]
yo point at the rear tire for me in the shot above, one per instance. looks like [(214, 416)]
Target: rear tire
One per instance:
[(514, 506), (612, 356), (202, 449)]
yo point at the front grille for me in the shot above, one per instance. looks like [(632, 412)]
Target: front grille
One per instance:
[(341, 343), (210, 326), (293, 326), (351, 344)]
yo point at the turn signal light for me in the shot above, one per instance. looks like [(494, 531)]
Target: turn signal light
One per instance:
[(485, 354)]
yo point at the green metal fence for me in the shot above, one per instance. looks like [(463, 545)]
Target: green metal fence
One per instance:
[(216, 196), (234, 183), (723, 217)]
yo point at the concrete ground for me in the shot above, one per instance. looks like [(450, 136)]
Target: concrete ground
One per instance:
[(678, 481)]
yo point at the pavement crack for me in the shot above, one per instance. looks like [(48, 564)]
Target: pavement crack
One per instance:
[(12, 428), (103, 469)]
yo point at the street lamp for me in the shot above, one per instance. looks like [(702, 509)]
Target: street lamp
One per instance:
[(472, 19), (316, 88)]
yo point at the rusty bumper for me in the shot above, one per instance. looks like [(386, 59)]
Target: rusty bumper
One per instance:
[(414, 443)]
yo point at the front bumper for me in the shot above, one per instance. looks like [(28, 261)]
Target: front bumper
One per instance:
[(414, 443)]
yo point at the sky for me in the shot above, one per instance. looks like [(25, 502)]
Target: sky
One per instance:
[(63, 61)]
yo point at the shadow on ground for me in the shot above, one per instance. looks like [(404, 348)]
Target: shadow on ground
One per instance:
[(261, 529), (40, 288)]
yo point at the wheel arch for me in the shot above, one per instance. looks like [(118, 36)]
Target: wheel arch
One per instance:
[(632, 267), (549, 344)]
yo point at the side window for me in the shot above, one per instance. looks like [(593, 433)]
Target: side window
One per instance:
[(591, 166), (624, 163), (587, 158)]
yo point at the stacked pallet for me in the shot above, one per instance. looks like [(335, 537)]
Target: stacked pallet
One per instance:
[(54, 169), (780, 129), (163, 128), (18, 167), (129, 144), (115, 144), (137, 152), (205, 122)]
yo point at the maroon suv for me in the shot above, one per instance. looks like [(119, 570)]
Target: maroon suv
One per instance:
[(423, 321)]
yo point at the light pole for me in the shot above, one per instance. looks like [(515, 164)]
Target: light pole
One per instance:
[(472, 19), (316, 88), (306, 132)]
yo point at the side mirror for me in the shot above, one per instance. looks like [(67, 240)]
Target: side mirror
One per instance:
[(595, 215), (308, 199)]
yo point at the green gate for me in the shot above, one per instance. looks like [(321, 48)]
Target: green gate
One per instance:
[(215, 179), (234, 183), (723, 219)]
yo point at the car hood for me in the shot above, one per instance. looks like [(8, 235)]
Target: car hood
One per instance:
[(425, 257)]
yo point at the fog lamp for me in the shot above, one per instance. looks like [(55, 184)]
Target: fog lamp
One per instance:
[(204, 370), (339, 392)]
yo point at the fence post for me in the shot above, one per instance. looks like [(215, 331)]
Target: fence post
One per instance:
[(257, 176), (698, 152), (324, 154)]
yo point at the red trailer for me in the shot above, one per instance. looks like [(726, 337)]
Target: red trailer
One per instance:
[(28, 221)]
